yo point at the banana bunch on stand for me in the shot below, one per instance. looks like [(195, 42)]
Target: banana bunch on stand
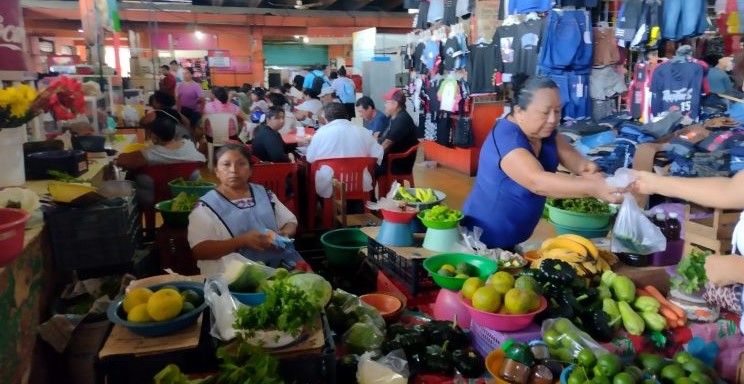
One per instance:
[(423, 195), (579, 252)]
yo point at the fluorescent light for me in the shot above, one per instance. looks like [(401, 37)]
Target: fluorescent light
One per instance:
[(297, 37), (199, 34), (413, 11), (305, 39), (80, 30)]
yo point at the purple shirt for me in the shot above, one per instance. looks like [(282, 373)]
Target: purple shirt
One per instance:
[(189, 94)]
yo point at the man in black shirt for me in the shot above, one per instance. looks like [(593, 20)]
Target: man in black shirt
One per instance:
[(267, 142), (400, 135)]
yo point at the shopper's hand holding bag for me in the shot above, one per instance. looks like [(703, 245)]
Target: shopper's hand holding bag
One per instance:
[(633, 232)]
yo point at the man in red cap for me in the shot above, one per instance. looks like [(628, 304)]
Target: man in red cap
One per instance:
[(400, 135)]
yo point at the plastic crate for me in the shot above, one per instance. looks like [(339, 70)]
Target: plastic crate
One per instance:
[(317, 368), (94, 237), (486, 340), (410, 272)]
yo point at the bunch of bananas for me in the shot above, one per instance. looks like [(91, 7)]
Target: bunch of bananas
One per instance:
[(423, 195), (578, 251)]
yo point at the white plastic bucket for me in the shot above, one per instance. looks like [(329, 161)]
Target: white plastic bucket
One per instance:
[(11, 156)]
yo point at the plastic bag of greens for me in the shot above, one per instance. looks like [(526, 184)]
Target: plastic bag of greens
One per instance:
[(363, 337), (633, 232), (346, 309), (565, 340), (389, 369)]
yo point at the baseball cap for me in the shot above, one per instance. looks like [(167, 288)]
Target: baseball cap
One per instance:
[(396, 95), (326, 90)]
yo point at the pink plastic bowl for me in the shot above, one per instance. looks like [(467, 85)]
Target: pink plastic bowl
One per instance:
[(12, 231), (500, 322), (400, 217)]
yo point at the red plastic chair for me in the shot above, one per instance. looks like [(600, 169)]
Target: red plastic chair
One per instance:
[(161, 175), (349, 171), (384, 181), (274, 177), (253, 159)]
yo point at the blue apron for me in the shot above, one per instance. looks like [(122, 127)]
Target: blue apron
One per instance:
[(258, 217)]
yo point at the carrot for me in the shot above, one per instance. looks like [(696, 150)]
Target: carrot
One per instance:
[(669, 314), (664, 302), (641, 292)]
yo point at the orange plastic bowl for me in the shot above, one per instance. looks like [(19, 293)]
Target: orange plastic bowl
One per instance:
[(503, 322), (386, 304), (493, 365)]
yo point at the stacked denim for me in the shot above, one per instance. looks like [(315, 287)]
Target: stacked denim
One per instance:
[(566, 57)]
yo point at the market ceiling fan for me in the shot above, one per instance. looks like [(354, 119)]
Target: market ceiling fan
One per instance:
[(298, 5)]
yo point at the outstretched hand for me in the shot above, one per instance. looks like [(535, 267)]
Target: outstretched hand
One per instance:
[(255, 240)]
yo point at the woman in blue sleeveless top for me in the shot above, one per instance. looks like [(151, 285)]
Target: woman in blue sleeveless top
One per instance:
[(236, 219), (518, 163)]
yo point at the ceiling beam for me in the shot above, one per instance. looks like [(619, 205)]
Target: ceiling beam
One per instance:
[(355, 5)]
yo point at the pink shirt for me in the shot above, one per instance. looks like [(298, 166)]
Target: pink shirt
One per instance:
[(216, 106)]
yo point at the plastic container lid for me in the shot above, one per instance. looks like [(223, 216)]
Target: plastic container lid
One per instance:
[(660, 217), (673, 215)]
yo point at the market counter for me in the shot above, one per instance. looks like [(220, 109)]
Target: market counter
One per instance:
[(26, 289)]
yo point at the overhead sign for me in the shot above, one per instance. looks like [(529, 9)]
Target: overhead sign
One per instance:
[(12, 37), (219, 59)]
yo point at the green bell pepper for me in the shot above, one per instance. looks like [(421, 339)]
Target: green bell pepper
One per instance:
[(632, 322), (623, 288), (646, 304)]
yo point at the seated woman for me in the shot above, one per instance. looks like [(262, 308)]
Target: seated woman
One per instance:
[(233, 220), (267, 141), (161, 101), (222, 104), (165, 149)]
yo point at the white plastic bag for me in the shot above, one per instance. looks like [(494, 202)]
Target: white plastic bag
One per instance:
[(389, 369), (633, 232), (222, 308)]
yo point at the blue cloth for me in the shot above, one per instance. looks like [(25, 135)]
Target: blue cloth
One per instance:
[(308, 82), (719, 81), (567, 43), (574, 88), (506, 211), (379, 123), (345, 90), (682, 19), (527, 6), (259, 217), (431, 52), (736, 112), (677, 86)]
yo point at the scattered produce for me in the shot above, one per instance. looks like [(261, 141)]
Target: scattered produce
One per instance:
[(345, 310), (189, 183), (363, 337), (142, 305), (508, 259), (463, 270), (184, 202), (691, 271), (579, 252), (422, 195), (673, 314), (503, 296), (442, 213), (317, 288), (580, 205)]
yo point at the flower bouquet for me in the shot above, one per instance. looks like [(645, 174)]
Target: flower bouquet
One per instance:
[(19, 104)]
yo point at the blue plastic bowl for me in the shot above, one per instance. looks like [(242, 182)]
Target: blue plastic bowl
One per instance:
[(588, 233), (566, 371), (250, 299), (117, 316)]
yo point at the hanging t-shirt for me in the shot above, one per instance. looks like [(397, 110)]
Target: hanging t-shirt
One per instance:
[(430, 54), (677, 86), (431, 95), (527, 6), (481, 66), (527, 45), (450, 16), (423, 15), (450, 52), (504, 41), (449, 95), (464, 8), (418, 53), (436, 11)]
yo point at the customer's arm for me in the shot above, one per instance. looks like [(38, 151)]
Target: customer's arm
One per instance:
[(717, 192), (572, 159), (522, 167), (724, 270)]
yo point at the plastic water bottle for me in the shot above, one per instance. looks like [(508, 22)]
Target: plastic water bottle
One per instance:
[(674, 227), (661, 222)]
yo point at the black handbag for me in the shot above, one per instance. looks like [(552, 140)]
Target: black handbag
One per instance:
[(463, 136), (444, 130)]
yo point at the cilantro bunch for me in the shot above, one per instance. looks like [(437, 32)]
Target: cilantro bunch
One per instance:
[(691, 271), (287, 309), (580, 205)]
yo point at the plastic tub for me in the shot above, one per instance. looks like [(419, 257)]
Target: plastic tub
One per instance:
[(342, 246), (384, 303), (579, 221), (12, 230), (503, 322), (172, 219), (432, 264), (587, 233), (439, 224), (399, 217)]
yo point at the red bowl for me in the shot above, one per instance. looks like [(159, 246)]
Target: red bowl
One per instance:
[(12, 232), (401, 217), (503, 322)]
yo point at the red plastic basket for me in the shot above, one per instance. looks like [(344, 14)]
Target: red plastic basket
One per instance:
[(12, 230)]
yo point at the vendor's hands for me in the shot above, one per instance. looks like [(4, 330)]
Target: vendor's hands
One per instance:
[(255, 240), (644, 183), (607, 193), (590, 169), (724, 270)]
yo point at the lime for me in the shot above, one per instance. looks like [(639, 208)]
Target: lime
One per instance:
[(586, 358), (682, 357), (694, 365), (673, 372), (635, 372), (464, 268), (623, 378), (652, 364), (190, 296), (187, 307), (173, 287), (700, 378), (280, 273), (462, 276), (562, 325), (683, 380), (470, 286), (552, 338), (445, 272)]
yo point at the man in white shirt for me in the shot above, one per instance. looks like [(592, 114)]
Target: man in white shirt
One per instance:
[(340, 138)]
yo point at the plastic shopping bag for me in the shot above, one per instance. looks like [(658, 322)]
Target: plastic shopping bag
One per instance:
[(633, 232), (389, 369), (222, 308)]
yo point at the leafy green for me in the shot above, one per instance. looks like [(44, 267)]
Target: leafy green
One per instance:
[(13, 204), (171, 374), (247, 364), (442, 213), (184, 202), (190, 183), (287, 309), (691, 271), (66, 177), (580, 205)]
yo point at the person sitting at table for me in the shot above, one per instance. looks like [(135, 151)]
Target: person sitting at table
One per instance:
[(400, 134), (165, 149), (375, 121), (161, 101), (279, 100), (233, 220), (307, 113), (222, 104), (340, 138), (267, 141), (257, 100)]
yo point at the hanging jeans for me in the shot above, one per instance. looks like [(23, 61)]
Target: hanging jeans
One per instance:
[(574, 88), (567, 44), (683, 18)]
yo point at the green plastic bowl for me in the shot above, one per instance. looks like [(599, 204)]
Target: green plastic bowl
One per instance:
[(342, 246), (587, 233), (170, 218), (199, 190), (438, 224), (578, 220), (484, 266)]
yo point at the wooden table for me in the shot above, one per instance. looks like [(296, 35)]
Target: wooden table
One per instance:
[(26, 288)]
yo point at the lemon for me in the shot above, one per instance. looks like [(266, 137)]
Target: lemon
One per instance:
[(502, 282), (139, 314), (164, 304), (470, 286), (136, 297), (461, 276), (450, 268), (487, 299)]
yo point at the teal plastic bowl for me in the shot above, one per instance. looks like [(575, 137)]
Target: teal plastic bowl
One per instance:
[(484, 267), (580, 220), (342, 246), (588, 233), (116, 313), (172, 219), (250, 299), (439, 224), (199, 190)]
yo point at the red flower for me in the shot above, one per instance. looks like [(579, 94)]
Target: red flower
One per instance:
[(64, 98)]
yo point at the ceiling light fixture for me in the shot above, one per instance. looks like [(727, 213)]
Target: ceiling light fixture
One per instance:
[(80, 30), (305, 39), (199, 34)]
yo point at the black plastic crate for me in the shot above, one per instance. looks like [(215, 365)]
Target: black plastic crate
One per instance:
[(94, 237), (317, 368), (410, 272)]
